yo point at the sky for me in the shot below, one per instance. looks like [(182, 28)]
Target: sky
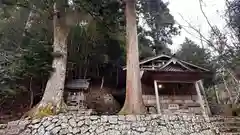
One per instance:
[(190, 11)]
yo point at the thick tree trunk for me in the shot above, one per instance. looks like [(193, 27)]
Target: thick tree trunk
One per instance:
[(52, 101), (133, 101)]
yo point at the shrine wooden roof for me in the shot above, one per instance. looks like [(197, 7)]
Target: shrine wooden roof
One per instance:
[(78, 84), (168, 63)]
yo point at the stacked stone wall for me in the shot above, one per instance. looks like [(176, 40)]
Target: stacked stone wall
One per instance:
[(74, 124)]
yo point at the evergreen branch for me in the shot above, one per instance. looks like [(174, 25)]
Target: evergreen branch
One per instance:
[(95, 16), (6, 2)]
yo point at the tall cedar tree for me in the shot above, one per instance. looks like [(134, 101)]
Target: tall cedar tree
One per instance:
[(133, 101)]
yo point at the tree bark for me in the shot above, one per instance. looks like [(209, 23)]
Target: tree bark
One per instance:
[(52, 101), (31, 93), (133, 101), (30, 20)]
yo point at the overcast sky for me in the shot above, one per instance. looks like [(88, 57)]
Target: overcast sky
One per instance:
[(190, 10)]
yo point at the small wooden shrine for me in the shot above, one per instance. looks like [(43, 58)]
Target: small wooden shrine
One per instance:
[(76, 89), (171, 85)]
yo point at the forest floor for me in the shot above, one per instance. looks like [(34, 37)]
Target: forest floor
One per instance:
[(100, 100)]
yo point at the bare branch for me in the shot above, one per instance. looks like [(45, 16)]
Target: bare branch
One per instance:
[(201, 38), (226, 87), (201, 8), (190, 33), (210, 25), (196, 30), (96, 17)]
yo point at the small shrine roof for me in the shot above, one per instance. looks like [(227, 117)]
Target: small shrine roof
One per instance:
[(78, 84)]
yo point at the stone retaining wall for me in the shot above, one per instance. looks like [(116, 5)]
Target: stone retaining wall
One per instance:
[(73, 124)]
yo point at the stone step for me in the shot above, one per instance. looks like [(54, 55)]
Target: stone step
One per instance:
[(82, 112), (226, 123), (224, 120), (226, 133), (221, 118), (231, 129)]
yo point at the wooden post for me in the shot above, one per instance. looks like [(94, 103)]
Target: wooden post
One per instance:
[(205, 97), (78, 98), (141, 73), (216, 94), (200, 98), (157, 97)]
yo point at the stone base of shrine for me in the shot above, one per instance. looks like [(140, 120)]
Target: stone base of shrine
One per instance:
[(76, 124), (81, 111), (153, 110)]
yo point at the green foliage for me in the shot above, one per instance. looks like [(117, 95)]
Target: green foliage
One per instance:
[(193, 53), (36, 57), (233, 17), (161, 23), (95, 49), (227, 54), (25, 56), (33, 59)]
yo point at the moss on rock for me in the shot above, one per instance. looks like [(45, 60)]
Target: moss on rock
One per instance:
[(47, 109)]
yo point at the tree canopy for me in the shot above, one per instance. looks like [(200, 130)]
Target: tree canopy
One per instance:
[(193, 53), (96, 43)]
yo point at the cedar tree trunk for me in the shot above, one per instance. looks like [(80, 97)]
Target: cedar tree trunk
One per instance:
[(133, 101)]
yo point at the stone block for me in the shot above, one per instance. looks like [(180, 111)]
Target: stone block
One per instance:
[(152, 124), (2, 131), (12, 130), (72, 122), (35, 121), (131, 118), (113, 119), (56, 130)]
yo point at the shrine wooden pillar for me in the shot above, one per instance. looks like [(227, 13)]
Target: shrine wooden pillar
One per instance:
[(141, 73), (205, 97), (200, 98), (157, 97)]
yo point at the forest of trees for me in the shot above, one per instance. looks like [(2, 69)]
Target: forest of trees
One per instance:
[(45, 43)]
